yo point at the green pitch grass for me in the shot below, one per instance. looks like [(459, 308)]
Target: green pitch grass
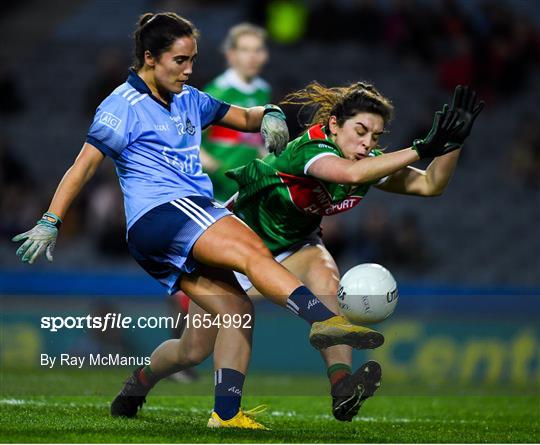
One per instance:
[(61, 406)]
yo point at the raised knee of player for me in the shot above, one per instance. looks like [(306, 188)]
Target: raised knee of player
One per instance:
[(254, 257)]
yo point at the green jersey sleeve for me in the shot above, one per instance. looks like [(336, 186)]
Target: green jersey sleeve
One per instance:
[(302, 156)]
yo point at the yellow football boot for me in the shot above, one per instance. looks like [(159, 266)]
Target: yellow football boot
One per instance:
[(243, 419), (338, 331)]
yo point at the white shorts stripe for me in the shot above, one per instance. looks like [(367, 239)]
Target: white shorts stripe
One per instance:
[(195, 212), (133, 102), (196, 207), (189, 215)]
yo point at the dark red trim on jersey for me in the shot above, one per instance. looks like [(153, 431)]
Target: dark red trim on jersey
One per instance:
[(311, 196)]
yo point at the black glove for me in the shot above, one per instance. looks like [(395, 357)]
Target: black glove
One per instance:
[(440, 139), (465, 103)]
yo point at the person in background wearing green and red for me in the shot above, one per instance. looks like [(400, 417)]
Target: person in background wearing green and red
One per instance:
[(222, 148)]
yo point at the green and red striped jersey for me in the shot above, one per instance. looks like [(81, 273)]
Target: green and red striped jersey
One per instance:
[(281, 202), (233, 148)]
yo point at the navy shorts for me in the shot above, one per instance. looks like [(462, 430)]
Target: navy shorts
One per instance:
[(161, 240)]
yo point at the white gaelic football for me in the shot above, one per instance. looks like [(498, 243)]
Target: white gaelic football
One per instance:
[(367, 294)]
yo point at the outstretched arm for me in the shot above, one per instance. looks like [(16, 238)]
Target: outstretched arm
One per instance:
[(450, 129), (75, 178), (345, 171), (430, 182), (42, 238), (243, 119), (433, 181), (370, 169)]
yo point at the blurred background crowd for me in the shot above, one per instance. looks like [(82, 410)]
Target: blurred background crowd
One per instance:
[(56, 69)]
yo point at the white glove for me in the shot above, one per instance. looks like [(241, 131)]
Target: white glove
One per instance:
[(39, 239)]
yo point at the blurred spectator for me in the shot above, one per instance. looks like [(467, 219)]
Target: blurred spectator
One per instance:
[(411, 250), (15, 183), (364, 22), (525, 152), (111, 72), (377, 239), (509, 52), (106, 207), (458, 67), (335, 238), (112, 340), (324, 22), (11, 98), (413, 30)]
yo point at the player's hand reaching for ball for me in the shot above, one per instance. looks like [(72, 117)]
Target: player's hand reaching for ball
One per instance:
[(42, 238), (274, 129), (465, 103), (439, 141), (451, 126)]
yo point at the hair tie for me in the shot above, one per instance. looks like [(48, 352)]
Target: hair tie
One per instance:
[(149, 20)]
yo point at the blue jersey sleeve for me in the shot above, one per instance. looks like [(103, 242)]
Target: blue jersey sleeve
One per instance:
[(212, 109), (115, 126)]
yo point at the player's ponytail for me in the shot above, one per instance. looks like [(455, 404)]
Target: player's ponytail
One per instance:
[(157, 32), (342, 102)]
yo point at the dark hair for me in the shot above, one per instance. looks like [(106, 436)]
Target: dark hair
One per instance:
[(342, 102), (157, 32)]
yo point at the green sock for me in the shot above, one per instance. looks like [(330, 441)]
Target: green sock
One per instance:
[(337, 371), (147, 377)]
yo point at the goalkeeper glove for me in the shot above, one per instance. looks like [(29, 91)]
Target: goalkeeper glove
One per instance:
[(439, 140), (41, 238), (274, 129), (465, 103)]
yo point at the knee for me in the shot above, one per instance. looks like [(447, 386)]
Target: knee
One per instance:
[(254, 252)]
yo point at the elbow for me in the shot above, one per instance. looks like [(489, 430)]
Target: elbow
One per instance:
[(433, 193), (354, 177)]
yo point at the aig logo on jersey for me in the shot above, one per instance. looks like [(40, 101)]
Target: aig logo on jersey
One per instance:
[(110, 120)]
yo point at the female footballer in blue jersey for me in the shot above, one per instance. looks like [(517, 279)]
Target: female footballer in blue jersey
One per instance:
[(151, 127)]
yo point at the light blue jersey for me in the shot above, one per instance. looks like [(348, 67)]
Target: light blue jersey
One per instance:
[(155, 148)]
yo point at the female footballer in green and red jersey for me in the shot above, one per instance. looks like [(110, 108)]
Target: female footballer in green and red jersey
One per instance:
[(328, 170)]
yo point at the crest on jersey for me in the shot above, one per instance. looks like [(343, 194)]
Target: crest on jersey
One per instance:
[(190, 128)]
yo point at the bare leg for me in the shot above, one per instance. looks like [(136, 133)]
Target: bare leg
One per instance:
[(315, 267), (192, 348), (216, 292), (231, 244)]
